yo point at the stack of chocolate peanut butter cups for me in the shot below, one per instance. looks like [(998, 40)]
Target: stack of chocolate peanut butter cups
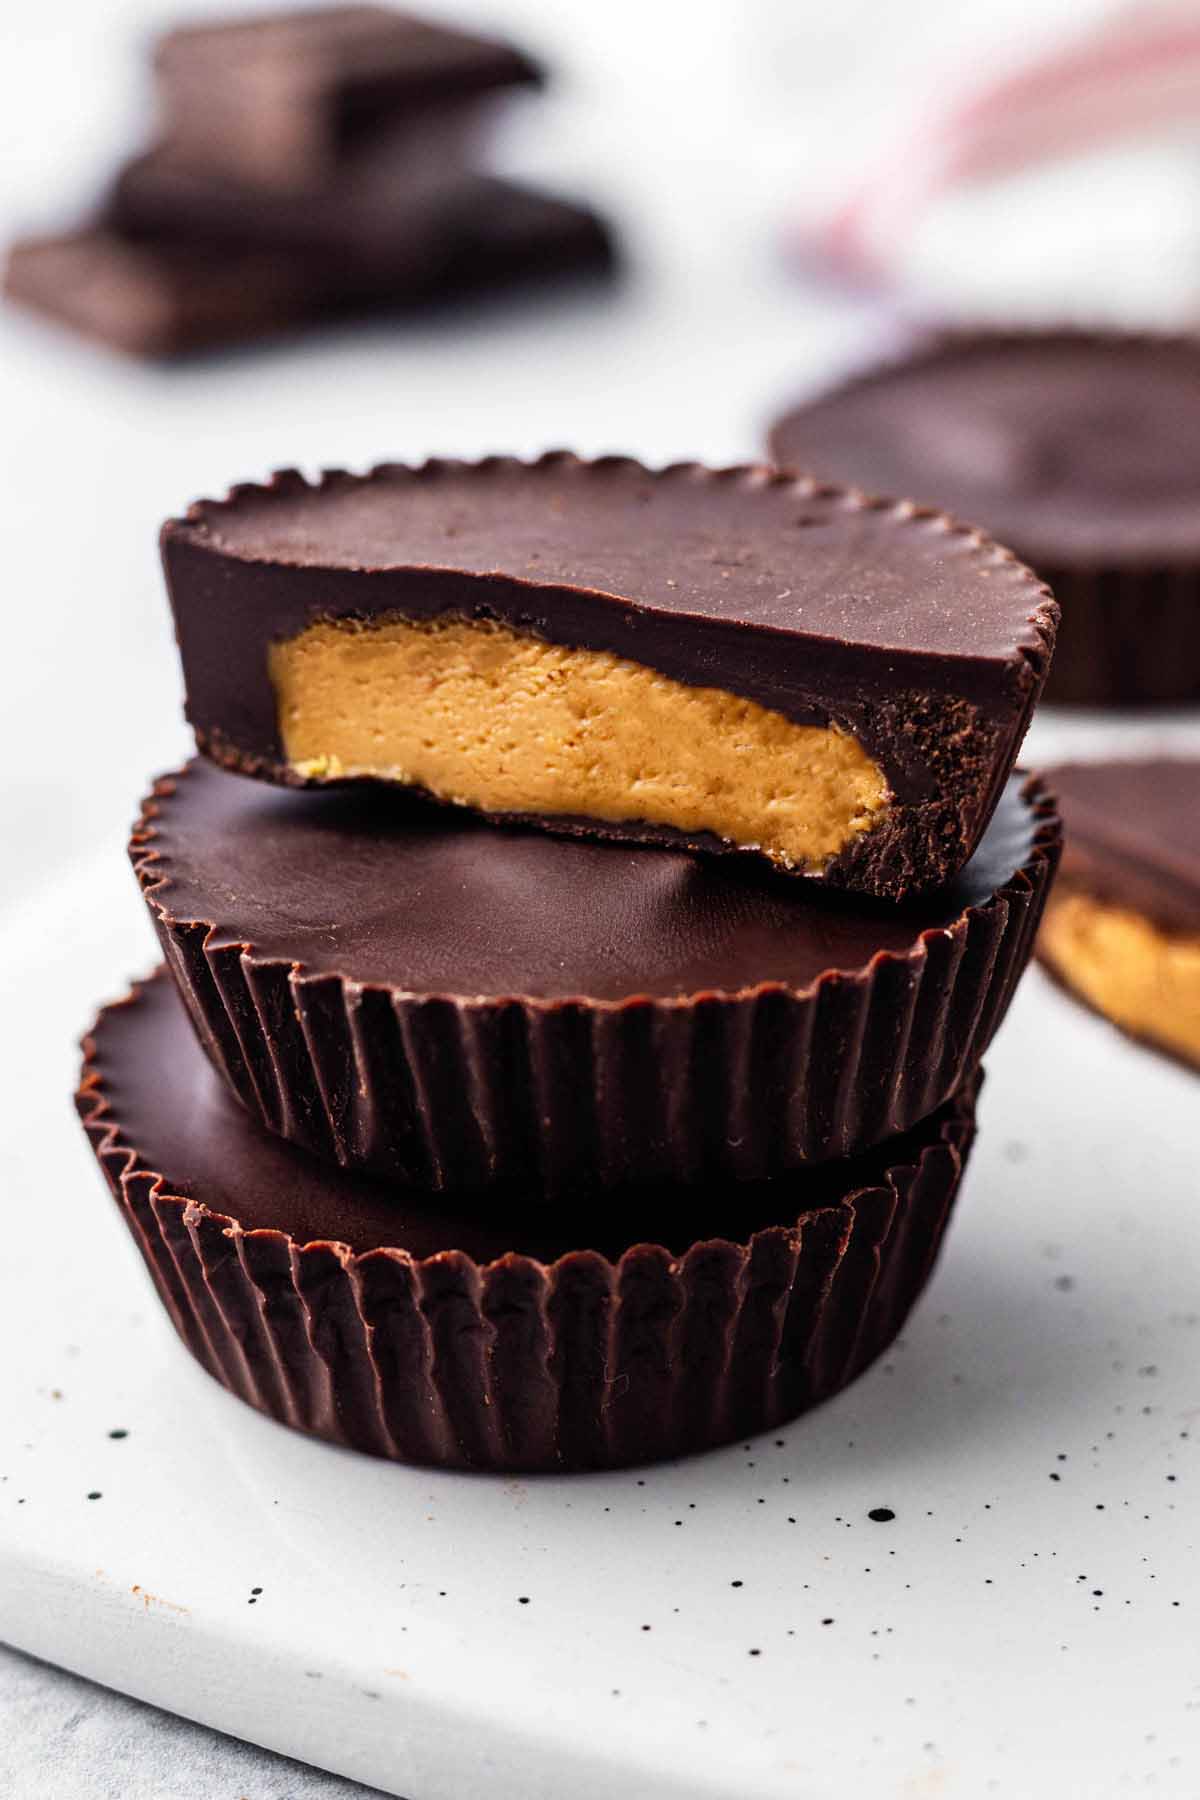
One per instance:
[(582, 931)]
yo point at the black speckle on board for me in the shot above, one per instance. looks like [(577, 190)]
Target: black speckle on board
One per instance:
[(882, 1515)]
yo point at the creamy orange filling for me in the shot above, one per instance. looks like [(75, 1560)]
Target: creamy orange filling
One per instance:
[(1141, 977), (489, 717)]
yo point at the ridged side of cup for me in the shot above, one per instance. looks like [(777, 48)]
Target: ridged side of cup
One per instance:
[(1128, 637), (572, 1095), (517, 1364)]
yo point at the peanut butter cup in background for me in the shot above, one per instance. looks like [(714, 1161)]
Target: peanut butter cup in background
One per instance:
[(1122, 930), (712, 659), (464, 1006), (1080, 450), (390, 1321)]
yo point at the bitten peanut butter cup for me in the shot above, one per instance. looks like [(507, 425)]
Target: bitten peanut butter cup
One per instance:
[(717, 660), (1079, 449), (380, 1318), (407, 988), (1122, 930)]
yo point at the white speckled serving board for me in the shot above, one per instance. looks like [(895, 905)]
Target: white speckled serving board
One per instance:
[(735, 1626)]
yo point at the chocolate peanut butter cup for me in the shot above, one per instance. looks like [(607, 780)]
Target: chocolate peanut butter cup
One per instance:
[(382, 1319), (460, 1006), (1079, 449), (718, 660), (1122, 930)]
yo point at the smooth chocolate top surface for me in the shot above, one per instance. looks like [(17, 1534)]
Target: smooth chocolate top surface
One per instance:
[(1074, 448), (322, 48), (1133, 834), (383, 889), (735, 548), (175, 1113)]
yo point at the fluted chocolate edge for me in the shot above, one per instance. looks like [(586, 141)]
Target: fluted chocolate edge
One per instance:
[(449, 1092), (521, 1365)]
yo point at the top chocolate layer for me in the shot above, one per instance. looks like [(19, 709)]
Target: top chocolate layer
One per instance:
[(1133, 835), (719, 546), (920, 639), (1079, 449), (286, 97)]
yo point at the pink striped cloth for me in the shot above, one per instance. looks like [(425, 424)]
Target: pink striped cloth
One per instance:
[(1138, 72)]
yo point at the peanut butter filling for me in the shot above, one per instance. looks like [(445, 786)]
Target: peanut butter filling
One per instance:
[(1142, 978), (488, 717)]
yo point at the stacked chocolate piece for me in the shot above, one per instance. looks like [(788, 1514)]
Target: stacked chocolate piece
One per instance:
[(582, 931), (311, 165)]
